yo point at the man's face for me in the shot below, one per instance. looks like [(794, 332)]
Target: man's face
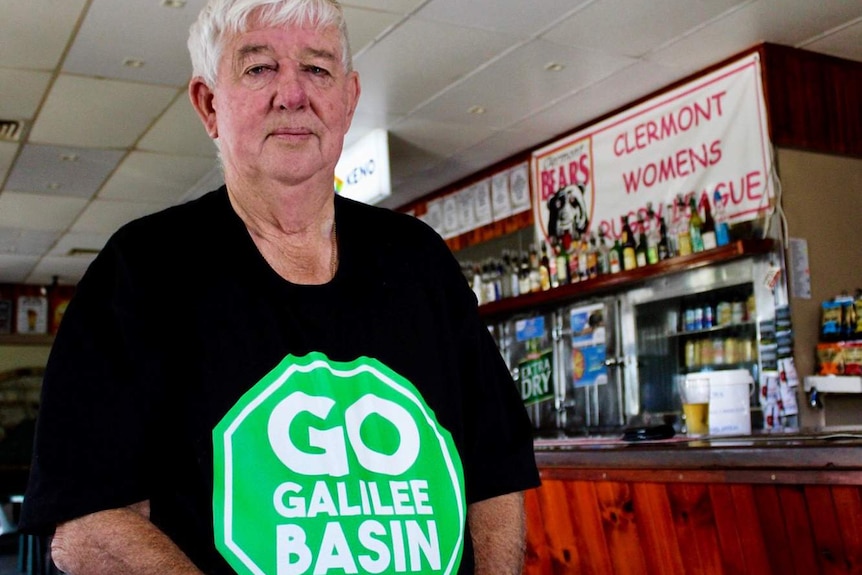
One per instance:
[(282, 104)]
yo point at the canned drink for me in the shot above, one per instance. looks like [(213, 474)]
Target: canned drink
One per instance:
[(737, 312), (707, 317), (689, 320), (723, 313), (718, 351), (698, 318), (691, 354)]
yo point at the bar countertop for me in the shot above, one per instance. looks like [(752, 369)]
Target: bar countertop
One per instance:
[(833, 456)]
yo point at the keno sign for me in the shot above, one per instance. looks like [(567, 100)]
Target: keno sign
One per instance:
[(327, 467), (707, 136)]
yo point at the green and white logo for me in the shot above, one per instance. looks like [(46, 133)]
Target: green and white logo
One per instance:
[(331, 468)]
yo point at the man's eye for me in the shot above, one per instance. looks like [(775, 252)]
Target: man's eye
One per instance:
[(256, 70), (317, 70)]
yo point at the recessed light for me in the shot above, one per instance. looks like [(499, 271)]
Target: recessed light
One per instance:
[(553, 66), (478, 110), (174, 3), (133, 63)]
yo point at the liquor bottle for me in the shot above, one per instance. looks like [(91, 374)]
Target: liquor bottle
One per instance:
[(505, 271), (545, 269), (629, 257), (552, 264), (683, 233), (615, 257), (695, 226), (524, 275), (604, 262), (641, 246), (583, 257), (664, 249), (722, 230), (707, 232), (476, 284), (535, 274), (592, 258), (563, 259), (514, 279), (653, 237)]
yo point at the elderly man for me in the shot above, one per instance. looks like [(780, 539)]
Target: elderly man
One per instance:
[(272, 379)]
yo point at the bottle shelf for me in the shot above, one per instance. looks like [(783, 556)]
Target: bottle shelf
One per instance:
[(718, 329), (536, 301)]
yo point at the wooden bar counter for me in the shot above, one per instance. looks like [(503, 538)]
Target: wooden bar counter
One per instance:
[(777, 503)]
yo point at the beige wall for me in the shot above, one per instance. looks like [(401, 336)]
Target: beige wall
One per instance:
[(822, 199)]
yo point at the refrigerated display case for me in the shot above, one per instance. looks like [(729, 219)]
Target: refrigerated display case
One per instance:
[(614, 348)]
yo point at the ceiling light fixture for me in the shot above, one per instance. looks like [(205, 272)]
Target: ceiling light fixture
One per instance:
[(554, 67), (133, 63), (68, 157), (478, 110), (174, 3), (54, 186)]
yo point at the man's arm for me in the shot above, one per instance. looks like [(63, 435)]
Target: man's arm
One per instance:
[(117, 541), (498, 527)]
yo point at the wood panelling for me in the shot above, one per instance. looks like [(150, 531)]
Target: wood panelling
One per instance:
[(813, 100), (618, 527)]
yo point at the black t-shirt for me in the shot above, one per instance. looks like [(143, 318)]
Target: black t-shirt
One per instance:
[(179, 317)]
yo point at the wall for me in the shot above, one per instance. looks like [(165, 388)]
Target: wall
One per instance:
[(822, 199)]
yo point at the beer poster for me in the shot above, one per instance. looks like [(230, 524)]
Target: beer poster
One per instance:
[(707, 136), (589, 345)]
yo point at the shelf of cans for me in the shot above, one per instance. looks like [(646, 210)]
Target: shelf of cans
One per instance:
[(572, 259)]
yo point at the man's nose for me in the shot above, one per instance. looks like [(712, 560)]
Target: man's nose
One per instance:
[(291, 93)]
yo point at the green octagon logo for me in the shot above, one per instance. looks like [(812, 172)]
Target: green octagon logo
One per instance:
[(332, 468)]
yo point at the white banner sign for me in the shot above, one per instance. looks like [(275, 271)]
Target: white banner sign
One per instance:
[(706, 136)]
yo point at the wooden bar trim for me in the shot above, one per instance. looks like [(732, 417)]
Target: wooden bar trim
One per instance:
[(749, 476)]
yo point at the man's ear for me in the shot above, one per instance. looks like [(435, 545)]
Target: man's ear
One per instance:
[(202, 98)]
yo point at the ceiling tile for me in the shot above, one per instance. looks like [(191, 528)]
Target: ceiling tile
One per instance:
[(15, 269), (147, 31), (418, 59), (97, 113), (844, 42), (35, 33), (67, 270), (43, 170), (517, 83), (179, 131), (37, 212), (72, 242), (397, 6), (7, 156), (26, 242), (585, 106), (22, 92), (157, 177), (638, 27), (107, 216), (438, 138), (365, 26), (486, 15), (788, 22)]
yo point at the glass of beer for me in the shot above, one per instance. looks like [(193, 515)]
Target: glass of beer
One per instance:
[(694, 393)]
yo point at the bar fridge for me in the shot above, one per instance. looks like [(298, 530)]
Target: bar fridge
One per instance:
[(597, 365)]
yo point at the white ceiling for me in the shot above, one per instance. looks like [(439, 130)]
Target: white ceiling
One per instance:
[(105, 142)]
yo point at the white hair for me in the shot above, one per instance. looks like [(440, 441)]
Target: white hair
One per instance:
[(226, 17)]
